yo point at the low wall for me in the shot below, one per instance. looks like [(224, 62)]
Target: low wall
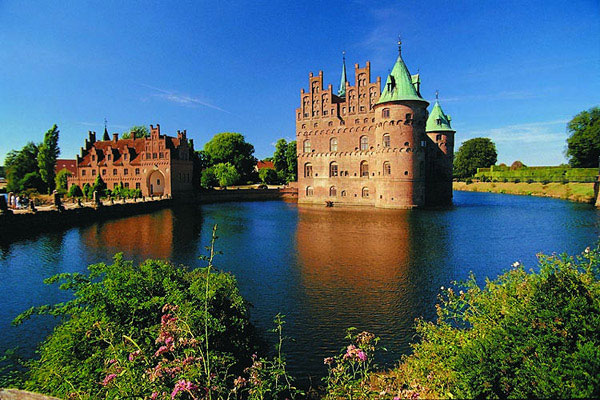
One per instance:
[(17, 225)]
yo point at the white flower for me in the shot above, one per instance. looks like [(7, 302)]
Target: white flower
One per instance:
[(587, 250), (516, 264)]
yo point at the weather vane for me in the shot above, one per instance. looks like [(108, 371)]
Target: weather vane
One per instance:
[(437, 93), (399, 44), (105, 123)]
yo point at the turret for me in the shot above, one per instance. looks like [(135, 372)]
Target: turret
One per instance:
[(343, 79)]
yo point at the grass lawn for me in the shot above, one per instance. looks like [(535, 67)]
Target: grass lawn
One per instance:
[(581, 192)]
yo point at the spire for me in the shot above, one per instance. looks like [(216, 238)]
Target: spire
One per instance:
[(437, 120), (400, 85), (105, 136), (343, 80)]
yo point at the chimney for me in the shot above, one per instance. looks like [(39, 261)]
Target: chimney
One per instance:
[(115, 137)]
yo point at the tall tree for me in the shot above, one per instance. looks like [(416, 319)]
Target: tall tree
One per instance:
[(48, 153), (292, 161), (232, 147), (19, 163), (279, 157), (583, 144), (61, 180), (472, 154)]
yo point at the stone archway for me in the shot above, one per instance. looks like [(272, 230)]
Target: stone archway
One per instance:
[(156, 183)]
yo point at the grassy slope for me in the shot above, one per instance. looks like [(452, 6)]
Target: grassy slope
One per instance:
[(581, 192)]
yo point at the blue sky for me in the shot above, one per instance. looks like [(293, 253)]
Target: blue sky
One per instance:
[(514, 71)]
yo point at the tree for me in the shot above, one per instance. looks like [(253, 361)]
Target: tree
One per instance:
[(516, 165), (98, 186), (292, 161), (208, 179), (75, 191), (472, 154), (139, 131), (32, 180), (19, 163), (2, 171), (583, 144), (229, 147), (279, 157), (285, 160), (226, 174), (61, 179), (268, 176), (48, 153)]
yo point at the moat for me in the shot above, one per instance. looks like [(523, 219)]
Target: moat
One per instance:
[(326, 269)]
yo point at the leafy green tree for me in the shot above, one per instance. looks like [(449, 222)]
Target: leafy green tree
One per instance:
[(60, 181), (75, 191), (98, 186), (583, 144), (226, 174), (472, 154), (48, 153), (292, 161), (87, 190), (285, 160), (229, 147), (19, 163), (139, 131), (2, 172), (208, 178), (32, 180), (280, 157), (268, 176)]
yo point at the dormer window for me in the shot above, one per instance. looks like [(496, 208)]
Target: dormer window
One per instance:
[(108, 157), (93, 157), (125, 156), (439, 121)]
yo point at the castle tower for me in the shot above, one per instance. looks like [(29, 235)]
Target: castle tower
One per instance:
[(440, 156), (400, 135)]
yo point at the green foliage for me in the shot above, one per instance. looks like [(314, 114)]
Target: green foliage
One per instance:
[(268, 176), (583, 144), (75, 191), (32, 180), (47, 155), (517, 165), (98, 186), (285, 160), (472, 154), (226, 174), (539, 174), (87, 190), (229, 147), (2, 172), (279, 157), (139, 131), (19, 163), (208, 179), (60, 180), (524, 335)]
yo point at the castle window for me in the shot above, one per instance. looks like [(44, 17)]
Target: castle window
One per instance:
[(103, 172), (364, 143), (333, 144), (93, 172), (93, 157), (387, 168), (153, 155), (109, 157), (423, 143), (158, 182), (125, 156), (438, 137), (343, 110), (125, 171), (333, 169), (438, 121), (385, 113), (332, 191), (83, 172), (137, 171), (364, 169), (386, 140), (357, 121), (365, 192), (362, 108), (366, 120), (303, 126), (406, 144), (307, 146), (114, 171), (324, 112), (408, 116), (309, 191), (343, 193), (137, 185), (330, 123), (405, 172), (161, 155), (308, 170)]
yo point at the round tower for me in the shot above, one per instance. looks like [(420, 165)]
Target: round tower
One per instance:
[(400, 113), (440, 156)]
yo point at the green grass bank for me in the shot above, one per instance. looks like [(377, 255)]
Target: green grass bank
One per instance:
[(574, 191)]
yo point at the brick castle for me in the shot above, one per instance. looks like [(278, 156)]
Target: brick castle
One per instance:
[(361, 146), (157, 165)]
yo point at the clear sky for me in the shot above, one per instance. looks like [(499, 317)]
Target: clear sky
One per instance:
[(514, 71)]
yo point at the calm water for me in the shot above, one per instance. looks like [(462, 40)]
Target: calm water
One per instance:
[(326, 269)]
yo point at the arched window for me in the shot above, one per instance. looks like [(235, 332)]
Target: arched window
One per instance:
[(333, 169), (333, 144), (309, 191), (332, 191), (308, 170), (364, 169), (385, 113), (307, 146), (365, 192), (387, 168), (364, 143), (343, 193), (386, 140)]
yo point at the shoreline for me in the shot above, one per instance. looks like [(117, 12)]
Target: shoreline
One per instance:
[(572, 191)]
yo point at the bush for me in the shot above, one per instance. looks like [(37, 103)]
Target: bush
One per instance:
[(469, 181), (529, 180), (226, 174), (75, 191), (516, 165), (517, 180), (208, 179)]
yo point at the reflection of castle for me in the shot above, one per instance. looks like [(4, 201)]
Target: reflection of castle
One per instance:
[(364, 146), (157, 165)]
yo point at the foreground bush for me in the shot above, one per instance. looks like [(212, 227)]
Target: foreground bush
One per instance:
[(153, 330)]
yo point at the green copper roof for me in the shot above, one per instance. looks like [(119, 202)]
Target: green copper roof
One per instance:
[(105, 136), (399, 85), (438, 121), (343, 80)]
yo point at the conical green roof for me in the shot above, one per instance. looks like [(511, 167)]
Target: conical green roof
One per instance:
[(105, 136), (438, 121), (399, 85), (343, 80)]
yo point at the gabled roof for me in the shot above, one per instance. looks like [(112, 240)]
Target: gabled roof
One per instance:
[(438, 121), (265, 164), (399, 85), (69, 165)]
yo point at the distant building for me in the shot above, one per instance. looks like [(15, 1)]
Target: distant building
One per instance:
[(361, 146), (69, 165), (264, 164), (159, 165)]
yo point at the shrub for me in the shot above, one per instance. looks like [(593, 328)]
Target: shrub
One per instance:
[(505, 180), (516, 165), (517, 180), (226, 174), (529, 180), (268, 176), (75, 191), (469, 181), (208, 179)]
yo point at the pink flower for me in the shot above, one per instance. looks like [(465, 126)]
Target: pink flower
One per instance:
[(154, 395), (183, 386), (239, 382), (161, 350), (362, 356), (134, 355), (328, 360), (108, 379)]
